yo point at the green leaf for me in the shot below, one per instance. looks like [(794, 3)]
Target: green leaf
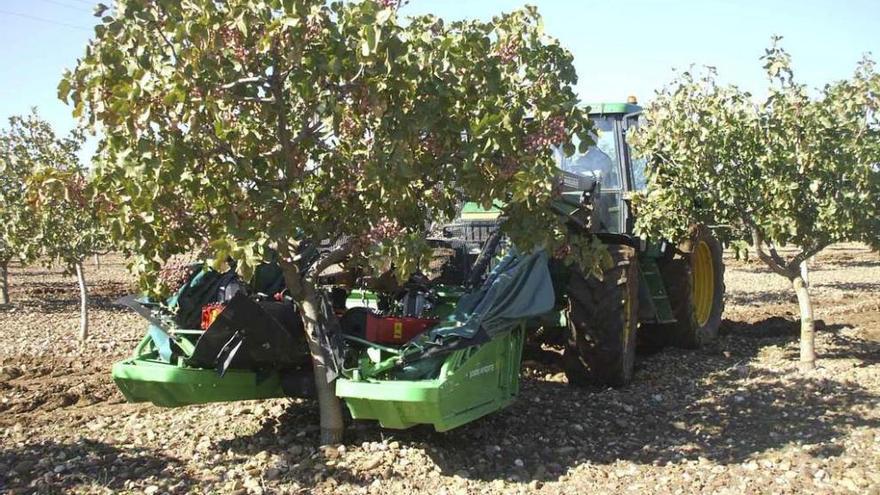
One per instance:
[(63, 89)]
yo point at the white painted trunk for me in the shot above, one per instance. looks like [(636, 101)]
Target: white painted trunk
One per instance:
[(4, 282), (808, 326), (83, 304)]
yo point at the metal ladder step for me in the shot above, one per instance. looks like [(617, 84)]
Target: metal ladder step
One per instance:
[(657, 289)]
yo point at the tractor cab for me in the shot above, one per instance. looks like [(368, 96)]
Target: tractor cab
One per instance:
[(608, 166), (607, 172)]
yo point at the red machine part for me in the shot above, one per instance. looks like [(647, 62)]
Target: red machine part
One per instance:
[(394, 329), (209, 314)]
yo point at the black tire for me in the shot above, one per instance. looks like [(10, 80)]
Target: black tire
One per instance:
[(690, 331), (602, 323)]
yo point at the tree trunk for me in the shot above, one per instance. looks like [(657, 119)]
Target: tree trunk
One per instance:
[(83, 304), (808, 327), (330, 406), (97, 261), (797, 274), (4, 282)]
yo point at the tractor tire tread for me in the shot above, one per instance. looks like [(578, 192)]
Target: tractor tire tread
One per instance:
[(600, 340)]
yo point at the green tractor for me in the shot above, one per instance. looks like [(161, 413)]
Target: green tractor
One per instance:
[(654, 294), (446, 349)]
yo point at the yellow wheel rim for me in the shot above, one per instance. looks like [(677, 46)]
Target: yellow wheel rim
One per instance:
[(703, 282)]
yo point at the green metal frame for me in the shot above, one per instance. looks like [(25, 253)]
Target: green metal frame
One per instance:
[(169, 385), (472, 382), (651, 278), (146, 378)]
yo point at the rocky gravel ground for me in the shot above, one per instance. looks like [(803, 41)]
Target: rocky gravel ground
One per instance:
[(733, 418)]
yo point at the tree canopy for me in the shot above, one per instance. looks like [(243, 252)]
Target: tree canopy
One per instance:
[(49, 212), (244, 123), (792, 169), (26, 144), (47, 202), (17, 219)]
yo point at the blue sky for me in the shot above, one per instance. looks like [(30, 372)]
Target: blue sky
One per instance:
[(620, 47)]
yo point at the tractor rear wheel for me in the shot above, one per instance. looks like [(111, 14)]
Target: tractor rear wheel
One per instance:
[(602, 322), (695, 285)]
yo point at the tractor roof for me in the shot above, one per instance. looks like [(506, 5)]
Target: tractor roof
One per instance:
[(615, 108)]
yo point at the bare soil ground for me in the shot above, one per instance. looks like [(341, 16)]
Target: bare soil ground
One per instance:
[(734, 418)]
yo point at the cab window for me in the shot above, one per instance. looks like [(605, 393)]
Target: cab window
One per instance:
[(600, 160), (639, 164)]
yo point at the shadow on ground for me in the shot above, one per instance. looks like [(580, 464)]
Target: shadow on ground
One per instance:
[(836, 264), (851, 286), (682, 405), (739, 298), (50, 467), (53, 298)]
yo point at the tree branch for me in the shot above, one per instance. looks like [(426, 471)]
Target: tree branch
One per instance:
[(243, 81), (337, 255), (257, 99), (307, 131), (292, 276), (774, 254), (771, 261), (165, 38), (307, 128), (276, 83), (795, 263)]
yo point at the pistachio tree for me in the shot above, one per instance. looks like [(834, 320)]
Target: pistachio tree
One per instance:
[(16, 219), (48, 212), (68, 228), (246, 125), (795, 169)]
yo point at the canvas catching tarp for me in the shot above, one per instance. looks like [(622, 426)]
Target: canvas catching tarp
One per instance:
[(519, 287)]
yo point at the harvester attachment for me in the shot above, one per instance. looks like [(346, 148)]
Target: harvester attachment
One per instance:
[(456, 369), (462, 369), (250, 351)]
